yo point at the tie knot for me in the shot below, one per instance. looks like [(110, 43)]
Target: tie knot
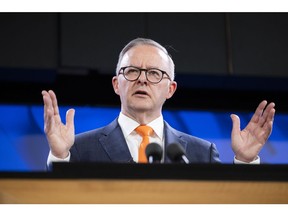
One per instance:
[(144, 130)]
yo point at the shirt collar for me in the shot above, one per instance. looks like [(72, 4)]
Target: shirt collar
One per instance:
[(128, 125)]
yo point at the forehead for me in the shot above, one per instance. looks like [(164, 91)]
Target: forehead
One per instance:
[(145, 56)]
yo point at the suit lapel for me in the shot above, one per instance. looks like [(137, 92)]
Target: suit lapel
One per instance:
[(114, 143), (172, 136)]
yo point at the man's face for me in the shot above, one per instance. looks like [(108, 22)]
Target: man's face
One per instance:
[(141, 96)]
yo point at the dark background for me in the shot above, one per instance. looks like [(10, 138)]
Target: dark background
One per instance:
[(224, 61)]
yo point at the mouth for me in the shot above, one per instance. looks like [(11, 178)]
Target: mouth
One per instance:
[(141, 93)]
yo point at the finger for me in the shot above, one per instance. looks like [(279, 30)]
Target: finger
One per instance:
[(46, 98), (54, 102), (270, 119), (49, 122), (48, 112), (258, 112), (271, 114), (268, 114), (235, 123), (70, 118), (48, 109)]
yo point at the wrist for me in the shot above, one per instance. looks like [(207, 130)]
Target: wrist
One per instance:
[(62, 155), (255, 161)]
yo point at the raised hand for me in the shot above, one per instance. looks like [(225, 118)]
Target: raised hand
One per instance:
[(60, 136), (248, 142)]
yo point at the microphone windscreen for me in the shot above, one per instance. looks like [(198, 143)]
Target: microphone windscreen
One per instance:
[(154, 150), (175, 151)]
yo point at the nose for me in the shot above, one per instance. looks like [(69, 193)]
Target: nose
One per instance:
[(142, 77)]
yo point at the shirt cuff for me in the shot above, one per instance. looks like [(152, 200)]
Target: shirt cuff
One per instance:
[(256, 161), (52, 158)]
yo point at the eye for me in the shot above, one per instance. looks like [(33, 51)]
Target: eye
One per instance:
[(154, 73), (131, 71)]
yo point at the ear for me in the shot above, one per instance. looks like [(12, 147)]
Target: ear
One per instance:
[(172, 89), (115, 84)]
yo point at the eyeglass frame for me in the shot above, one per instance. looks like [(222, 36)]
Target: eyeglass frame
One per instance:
[(145, 70)]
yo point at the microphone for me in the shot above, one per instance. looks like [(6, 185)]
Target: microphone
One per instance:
[(154, 153), (176, 153)]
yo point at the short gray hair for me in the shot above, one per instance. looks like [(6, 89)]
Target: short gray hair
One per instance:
[(150, 42)]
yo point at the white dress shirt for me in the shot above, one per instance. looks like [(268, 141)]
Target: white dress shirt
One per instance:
[(133, 139)]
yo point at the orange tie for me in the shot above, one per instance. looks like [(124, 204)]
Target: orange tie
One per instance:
[(145, 132)]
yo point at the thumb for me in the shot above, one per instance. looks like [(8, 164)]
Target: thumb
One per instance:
[(70, 118), (235, 123)]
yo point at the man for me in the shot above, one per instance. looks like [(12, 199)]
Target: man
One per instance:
[(144, 80)]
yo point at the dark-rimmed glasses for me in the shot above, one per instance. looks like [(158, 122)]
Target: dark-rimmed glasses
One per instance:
[(153, 75)]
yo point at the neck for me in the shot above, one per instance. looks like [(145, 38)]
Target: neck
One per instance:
[(142, 118)]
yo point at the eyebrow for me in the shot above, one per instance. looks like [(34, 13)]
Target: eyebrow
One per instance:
[(145, 68)]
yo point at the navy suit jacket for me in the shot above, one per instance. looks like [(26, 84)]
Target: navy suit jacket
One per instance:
[(107, 144)]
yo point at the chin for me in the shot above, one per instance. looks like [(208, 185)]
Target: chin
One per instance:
[(142, 107)]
